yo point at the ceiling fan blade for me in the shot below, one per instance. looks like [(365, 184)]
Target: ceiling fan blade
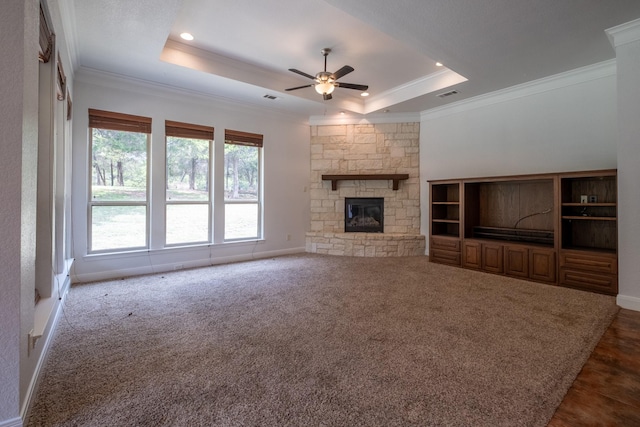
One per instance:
[(342, 72), (327, 96), (298, 87), (302, 73), (352, 86)]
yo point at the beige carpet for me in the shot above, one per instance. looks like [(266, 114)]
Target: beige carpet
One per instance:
[(310, 340)]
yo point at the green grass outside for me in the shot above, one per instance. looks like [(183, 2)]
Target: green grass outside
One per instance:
[(117, 227)]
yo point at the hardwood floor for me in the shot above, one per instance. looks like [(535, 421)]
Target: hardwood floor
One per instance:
[(607, 390)]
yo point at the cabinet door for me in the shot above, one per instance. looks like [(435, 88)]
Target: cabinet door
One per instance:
[(516, 261), (542, 265), (492, 258), (471, 255)]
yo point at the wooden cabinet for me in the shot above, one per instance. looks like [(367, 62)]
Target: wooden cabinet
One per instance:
[(588, 248), (445, 209), (444, 223), (444, 250), (471, 254), (492, 257), (591, 270), (553, 228), (516, 261), (542, 265)]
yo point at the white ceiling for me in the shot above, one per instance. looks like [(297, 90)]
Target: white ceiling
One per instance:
[(243, 48)]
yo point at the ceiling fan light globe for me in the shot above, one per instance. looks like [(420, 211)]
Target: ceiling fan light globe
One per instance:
[(324, 88)]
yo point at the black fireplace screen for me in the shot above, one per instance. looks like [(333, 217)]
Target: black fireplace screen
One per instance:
[(364, 214)]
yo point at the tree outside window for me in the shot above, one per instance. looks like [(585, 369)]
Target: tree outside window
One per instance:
[(118, 199), (188, 190), (242, 185)]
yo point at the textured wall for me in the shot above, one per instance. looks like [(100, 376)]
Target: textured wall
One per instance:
[(628, 73), (19, 124)]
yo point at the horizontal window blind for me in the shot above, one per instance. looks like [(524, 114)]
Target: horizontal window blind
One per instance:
[(118, 121), (187, 130), (46, 38), (242, 138), (62, 81)]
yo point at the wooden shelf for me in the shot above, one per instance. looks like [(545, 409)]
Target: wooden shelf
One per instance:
[(450, 221), (591, 205), (592, 218), (396, 178)]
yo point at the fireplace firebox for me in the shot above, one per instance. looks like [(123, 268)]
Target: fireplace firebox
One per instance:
[(364, 215)]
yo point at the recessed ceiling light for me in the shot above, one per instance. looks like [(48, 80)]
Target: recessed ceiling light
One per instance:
[(438, 64), (186, 36), (364, 94), (342, 113)]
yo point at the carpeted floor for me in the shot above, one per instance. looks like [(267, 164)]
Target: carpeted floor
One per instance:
[(311, 340)]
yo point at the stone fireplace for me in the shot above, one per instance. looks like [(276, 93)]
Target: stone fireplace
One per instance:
[(368, 151)]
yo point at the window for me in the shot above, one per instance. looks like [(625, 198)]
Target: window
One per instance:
[(242, 185), (188, 190), (118, 199)]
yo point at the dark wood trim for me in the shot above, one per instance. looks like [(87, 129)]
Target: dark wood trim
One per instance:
[(396, 178)]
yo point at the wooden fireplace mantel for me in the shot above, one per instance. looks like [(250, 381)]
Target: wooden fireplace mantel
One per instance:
[(396, 178)]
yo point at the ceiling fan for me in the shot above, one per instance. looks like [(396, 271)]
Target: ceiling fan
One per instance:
[(326, 82)]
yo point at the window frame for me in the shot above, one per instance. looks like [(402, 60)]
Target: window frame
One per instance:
[(253, 140), (126, 123), (190, 131)]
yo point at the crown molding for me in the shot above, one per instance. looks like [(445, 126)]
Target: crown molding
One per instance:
[(624, 33), (68, 21), (421, 86), (551, 83), (361, 120), (118, 81)]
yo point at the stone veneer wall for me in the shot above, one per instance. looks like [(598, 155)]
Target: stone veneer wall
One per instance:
[(365, 149)]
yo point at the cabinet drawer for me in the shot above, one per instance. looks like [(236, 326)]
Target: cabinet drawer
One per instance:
[(444, 257), (445, 244), (589, 262), (599, 282)]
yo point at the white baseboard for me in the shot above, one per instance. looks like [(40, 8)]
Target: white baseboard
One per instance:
[(193, 263), (47, 337), (630, 303), (14, 422)]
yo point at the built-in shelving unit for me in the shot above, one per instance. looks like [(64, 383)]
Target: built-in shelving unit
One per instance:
[(588, 247), (444, 220), (554, 228), (445, 212)]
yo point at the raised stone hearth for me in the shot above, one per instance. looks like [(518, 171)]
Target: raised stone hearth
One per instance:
[(366, 244), (365, 149)]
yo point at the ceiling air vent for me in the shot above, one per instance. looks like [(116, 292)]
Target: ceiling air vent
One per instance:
[(272, 97), (451, 92)]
